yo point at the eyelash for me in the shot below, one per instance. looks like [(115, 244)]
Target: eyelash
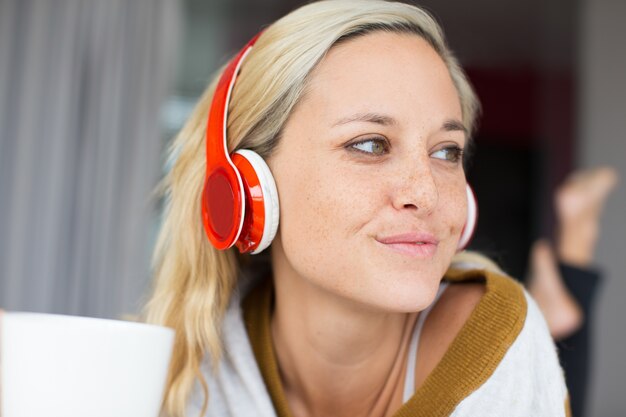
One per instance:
[(378, 140), (457, 152)]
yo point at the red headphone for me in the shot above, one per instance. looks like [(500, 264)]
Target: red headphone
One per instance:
[(240, 201)]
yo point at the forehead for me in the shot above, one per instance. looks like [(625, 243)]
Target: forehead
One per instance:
[(395, 73)]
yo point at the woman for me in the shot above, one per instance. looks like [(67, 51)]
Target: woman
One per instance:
[(362, 115)]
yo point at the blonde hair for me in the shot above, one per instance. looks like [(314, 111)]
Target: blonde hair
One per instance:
[(194, 281)]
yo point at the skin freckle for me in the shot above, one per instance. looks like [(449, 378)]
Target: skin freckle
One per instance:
[(341, 201)]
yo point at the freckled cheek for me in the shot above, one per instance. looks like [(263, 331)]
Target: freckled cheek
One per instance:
[(309, 209), (453, 207)]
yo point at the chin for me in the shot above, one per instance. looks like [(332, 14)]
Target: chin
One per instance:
[(404, 294)]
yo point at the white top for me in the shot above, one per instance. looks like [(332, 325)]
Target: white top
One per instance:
[(409, 380), (528, 380)]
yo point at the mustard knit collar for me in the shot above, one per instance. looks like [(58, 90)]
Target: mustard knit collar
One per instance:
[(470, 360)]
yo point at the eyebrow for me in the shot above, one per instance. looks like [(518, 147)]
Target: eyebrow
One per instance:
[(450, 125), (376, 118)]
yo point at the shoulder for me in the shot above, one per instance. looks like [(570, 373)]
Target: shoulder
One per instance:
[(536, 342), (491, 366), (527, 381), (235, 384), (475, 301), (484, 297), (450, 314), (462, 298), (522, 375)]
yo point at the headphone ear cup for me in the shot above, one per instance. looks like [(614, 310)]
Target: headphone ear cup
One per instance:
[(262, 206), (223, 206), (472, 219)]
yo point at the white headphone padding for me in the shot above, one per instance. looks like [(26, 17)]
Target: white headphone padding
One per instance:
[(270, 198), (472, 217)]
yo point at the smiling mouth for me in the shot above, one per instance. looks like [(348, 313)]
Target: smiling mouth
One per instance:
[(416, 250), (421, 245)]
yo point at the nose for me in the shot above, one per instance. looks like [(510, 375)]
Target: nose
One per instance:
[(415, 187)]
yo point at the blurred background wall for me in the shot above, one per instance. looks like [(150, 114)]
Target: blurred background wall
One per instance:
[(87, 105), (81, 90), (602, 140)]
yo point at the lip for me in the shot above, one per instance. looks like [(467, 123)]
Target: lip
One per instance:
[(420, 244)]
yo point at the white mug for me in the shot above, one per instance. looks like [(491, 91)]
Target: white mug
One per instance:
[(66, 366)]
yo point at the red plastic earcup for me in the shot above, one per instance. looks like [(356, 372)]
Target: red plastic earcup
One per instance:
[(472, 219), (262, 214), (223, 208)]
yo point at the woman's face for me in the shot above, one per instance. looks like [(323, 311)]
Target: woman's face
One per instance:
[(370, 176)]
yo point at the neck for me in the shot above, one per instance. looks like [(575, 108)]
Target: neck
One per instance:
[(336, 356)]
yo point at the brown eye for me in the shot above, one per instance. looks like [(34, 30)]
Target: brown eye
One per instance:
[(374, 146), (450, 153)]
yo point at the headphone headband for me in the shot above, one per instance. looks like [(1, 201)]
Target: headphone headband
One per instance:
[(223, 200), (216, 144)]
